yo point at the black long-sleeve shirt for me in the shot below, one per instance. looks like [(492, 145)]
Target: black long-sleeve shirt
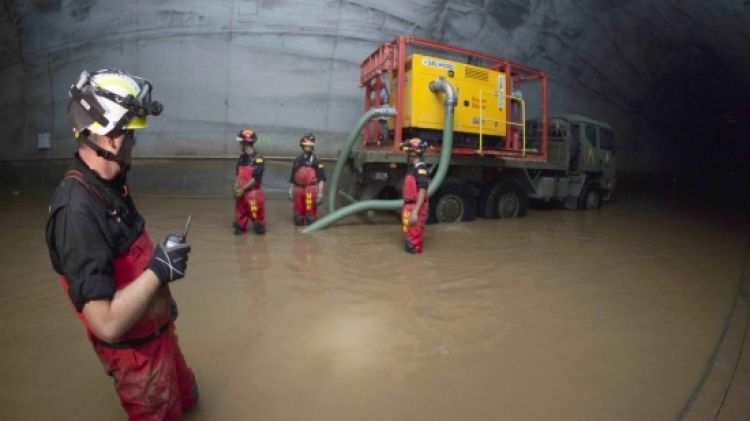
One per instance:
[(254, 160), (90, 223), (420, 173), (309, 161)]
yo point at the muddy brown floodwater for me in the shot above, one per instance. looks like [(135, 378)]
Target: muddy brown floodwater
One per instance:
[(610, 314)]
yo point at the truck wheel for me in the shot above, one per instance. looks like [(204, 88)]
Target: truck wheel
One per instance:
[(453, 202), (591, 198), (506, 199)]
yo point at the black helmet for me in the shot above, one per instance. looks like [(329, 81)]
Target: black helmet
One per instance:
[(247, 136), (415, 145), (307, 140)]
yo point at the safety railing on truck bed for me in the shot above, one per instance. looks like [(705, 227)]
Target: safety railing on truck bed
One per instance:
[(383, 76)]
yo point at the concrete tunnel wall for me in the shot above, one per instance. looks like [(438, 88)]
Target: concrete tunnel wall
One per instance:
[(662, 73)]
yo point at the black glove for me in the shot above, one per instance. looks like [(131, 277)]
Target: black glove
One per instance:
[(169, 263)]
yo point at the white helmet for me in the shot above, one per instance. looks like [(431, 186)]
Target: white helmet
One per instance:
[(108, 100)]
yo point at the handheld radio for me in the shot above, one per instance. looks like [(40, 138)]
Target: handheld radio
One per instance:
[(175, 239)]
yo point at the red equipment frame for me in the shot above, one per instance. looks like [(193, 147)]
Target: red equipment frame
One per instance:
[(392, 56)]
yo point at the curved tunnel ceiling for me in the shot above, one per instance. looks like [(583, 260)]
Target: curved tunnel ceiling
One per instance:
[(670, 76)]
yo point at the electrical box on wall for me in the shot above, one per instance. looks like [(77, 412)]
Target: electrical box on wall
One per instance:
[(43, 141)]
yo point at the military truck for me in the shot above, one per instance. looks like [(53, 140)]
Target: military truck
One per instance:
[(500, 159)]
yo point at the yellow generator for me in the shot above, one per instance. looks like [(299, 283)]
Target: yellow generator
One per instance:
[(481, 108), (490, 111)]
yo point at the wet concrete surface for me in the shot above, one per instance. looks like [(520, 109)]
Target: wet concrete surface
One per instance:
[(612, 314)]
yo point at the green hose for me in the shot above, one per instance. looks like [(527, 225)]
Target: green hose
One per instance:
[(333, 186), (440, 85)]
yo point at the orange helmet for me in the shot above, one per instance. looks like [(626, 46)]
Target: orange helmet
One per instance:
[(247, 136), (414, 145), (307, 140)]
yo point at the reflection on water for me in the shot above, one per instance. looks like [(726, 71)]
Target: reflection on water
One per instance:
[(560, 315)]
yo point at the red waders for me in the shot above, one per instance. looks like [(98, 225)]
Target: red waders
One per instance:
[(252, 205), (151, 376), (305, 195), (413, 233)]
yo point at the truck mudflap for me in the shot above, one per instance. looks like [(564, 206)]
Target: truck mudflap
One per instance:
[(577, 188), (608, 188)]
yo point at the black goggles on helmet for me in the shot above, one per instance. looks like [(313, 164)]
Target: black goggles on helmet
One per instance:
[(85, 108), (408, 146), (142, 105)]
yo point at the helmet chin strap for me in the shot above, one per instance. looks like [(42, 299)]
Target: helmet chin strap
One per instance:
[(119, 159)]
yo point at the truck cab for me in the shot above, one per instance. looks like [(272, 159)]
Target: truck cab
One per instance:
[(582, 167), (594, 141)]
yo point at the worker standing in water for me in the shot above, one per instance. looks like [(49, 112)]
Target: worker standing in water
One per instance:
[(416, 205), (306, 183), (250, 201), (117, 281)]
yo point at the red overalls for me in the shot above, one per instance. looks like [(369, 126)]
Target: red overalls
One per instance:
[(305, 195), (252, 205), (413, 233), (151, 377)]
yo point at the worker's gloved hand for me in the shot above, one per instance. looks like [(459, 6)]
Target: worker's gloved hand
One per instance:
[(412, 218), (291, 194), (319, 200), (238, 192), (169, 263)]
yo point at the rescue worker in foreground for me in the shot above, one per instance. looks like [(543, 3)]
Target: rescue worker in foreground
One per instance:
[(306, 183), (250, 201), (416, 205), (116, 280)]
